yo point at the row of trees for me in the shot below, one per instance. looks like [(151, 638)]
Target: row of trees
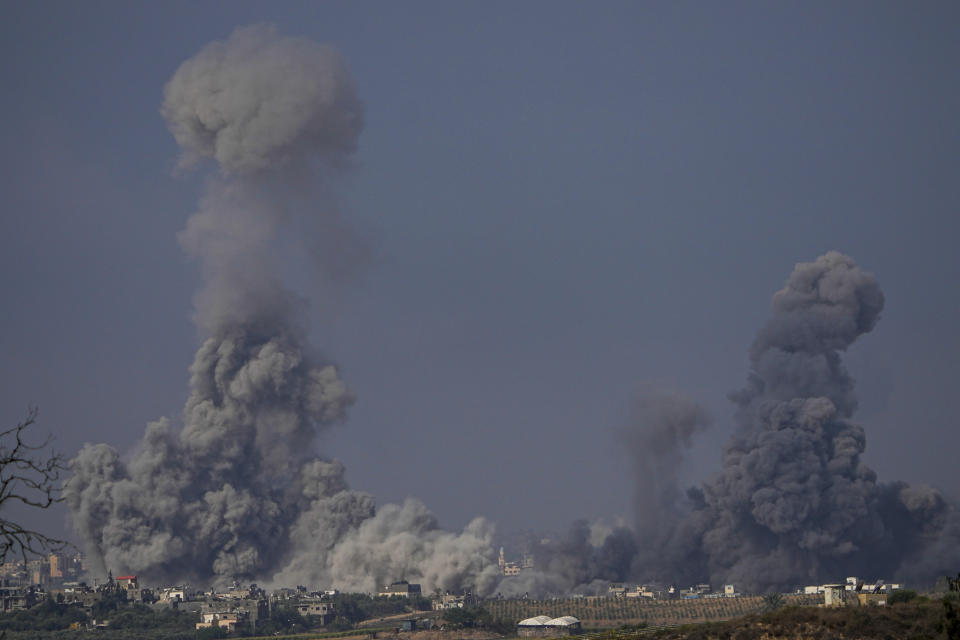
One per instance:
[(352, 608), (131, 620), (50, 615), (476, 618), (610, 612)]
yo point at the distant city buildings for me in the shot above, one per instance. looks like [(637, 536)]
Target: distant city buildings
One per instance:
[(514, 568), (656, 592), (56, 565), (853, 585), (19, 598), (853, 592), (49, 571), (236, 606), (316, 605), (242, 607)]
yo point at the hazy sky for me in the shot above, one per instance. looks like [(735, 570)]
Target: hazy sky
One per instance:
[(563, 201)]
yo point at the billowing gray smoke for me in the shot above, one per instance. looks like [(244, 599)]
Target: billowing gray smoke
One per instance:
[(581, 561), (238, 492), (661, 426), (793, 503), (341, 540)]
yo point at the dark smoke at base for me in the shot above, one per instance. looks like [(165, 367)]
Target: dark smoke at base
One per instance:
[(238, 492), (661, 427), (793, 503), (581, 561)]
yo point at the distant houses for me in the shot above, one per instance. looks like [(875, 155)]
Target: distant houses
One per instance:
[(402, 588), (853, 592), (508, 568), (443, 602)]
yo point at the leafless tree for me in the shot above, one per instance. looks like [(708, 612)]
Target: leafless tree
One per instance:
[(29, 474)]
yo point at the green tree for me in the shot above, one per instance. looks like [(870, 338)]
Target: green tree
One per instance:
[(949, 623), (773, 601), (109, 602), (45, 616), (212, 633), (460, 618), (283, 620), (901, 595)]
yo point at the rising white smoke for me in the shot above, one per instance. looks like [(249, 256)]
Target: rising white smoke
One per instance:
[(261, 103), (238, 492)]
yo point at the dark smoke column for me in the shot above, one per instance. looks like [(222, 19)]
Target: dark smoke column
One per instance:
[(793, 503), (216, 499), (661, 428)]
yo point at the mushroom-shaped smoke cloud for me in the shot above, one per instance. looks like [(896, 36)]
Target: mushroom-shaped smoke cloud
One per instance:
[(793, 502), (238, 492)]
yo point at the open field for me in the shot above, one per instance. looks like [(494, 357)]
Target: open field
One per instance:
[(907, 621), (596, 613)]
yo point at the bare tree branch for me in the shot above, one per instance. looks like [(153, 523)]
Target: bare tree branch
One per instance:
[(29, 474)]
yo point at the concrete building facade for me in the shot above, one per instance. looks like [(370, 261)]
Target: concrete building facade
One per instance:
[(401, 588)]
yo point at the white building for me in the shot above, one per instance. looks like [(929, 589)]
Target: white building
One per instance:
[(453, 601), (834, 595), (541, 626)]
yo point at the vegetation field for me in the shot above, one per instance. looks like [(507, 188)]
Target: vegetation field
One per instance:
[(609, 612), (918, 620), (340, 635)]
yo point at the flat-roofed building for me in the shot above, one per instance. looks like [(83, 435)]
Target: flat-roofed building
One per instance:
[(317, 609), (453, 601), (834, 595), (126, 582), (228, 620), (401, 588)]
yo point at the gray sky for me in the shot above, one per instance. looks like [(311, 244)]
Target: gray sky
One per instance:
[(564, 201)]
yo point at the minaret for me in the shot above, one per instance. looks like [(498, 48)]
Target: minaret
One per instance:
[(502, 562)]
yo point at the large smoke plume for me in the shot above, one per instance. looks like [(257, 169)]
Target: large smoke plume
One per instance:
[(661, 427), (580, 561), (238, 492), (793, 502)]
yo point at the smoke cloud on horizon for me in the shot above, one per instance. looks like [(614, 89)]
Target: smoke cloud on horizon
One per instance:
[(793, 503), (239, 492), (661, 428)]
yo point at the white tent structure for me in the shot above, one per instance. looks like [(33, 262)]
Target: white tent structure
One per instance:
[(538, 621), (545, 626)]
